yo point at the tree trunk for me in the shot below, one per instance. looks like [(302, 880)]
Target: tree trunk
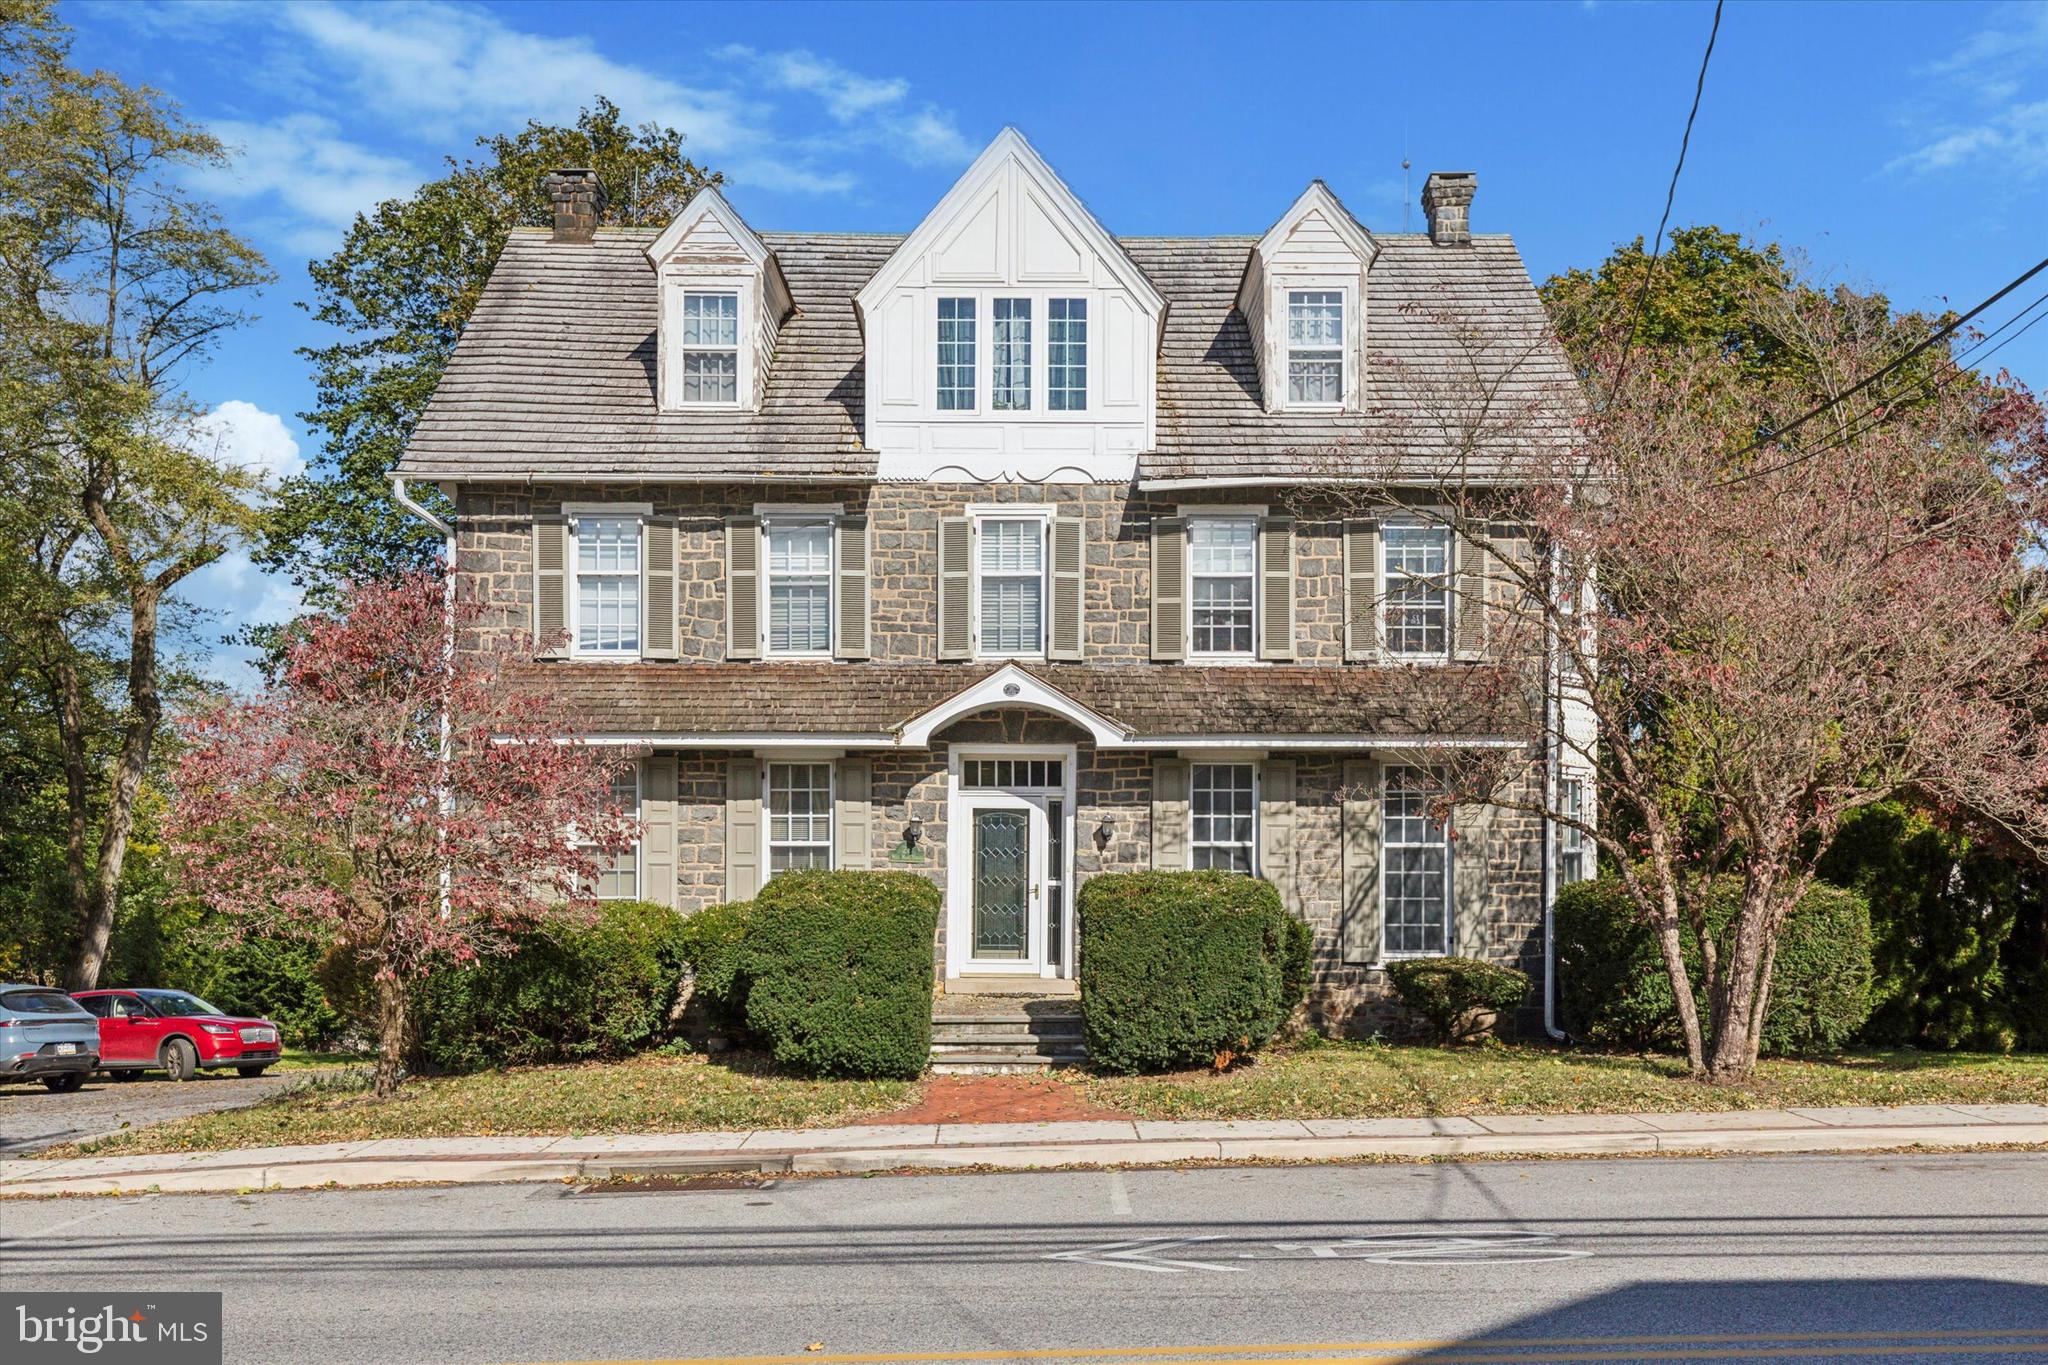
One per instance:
[(1740, 992), (390, 1034), (70, 711), (1673, 952)]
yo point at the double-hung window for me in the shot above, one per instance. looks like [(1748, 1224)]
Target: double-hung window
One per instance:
[(1010, 355), (1010, 588), (1222, 800), (711, 348), (1415, 855), (799, 587), (799, 816), (1066, 355), (1575, 852), (1222, 552), (1416, 596), (618, 874), (607, 596), (956, 355), (1315, 346)]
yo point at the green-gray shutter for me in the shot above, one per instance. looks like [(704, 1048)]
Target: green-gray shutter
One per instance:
[(1065, 637), (550, 585), (1170, 814), (1276, 830), (742, 587), (852, 816), (956, 587), (1169, 588), (850, 640), (658, 818), (743, 850), (1474, 827), (658, 589), (1358, 918), (1361, 591), (1276, 588), (1468, 607)]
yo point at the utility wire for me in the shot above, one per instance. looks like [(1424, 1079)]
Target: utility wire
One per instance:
[(1628, 341)]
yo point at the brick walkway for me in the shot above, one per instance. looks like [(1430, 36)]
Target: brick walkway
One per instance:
[(998, 1099)]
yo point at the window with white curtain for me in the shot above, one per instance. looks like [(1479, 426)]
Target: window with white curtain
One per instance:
[(799, 816), (1416, 596), (1415, 857), (1066, 355), (1315, 346), (1009, 366), (956, 355), (1010, 591), (799, 587), (607, 594), (1222, 802), (1222, 553), (711, 348)]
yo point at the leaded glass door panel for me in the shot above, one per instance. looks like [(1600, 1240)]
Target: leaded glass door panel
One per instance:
[(1002, 883)]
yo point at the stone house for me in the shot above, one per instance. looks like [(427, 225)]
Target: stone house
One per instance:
[(991, 552)]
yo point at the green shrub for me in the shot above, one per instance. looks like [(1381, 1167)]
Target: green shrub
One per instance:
[(1447, 991), (567, 992), (1613, 987), (712, 942), (837, 971), (179, 945), (1179, 968)]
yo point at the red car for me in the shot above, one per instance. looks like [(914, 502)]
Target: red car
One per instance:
[(177, 1032)]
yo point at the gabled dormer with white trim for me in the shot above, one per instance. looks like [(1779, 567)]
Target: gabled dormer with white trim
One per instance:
[(1010, 337), (723, 300), (1303, 299)]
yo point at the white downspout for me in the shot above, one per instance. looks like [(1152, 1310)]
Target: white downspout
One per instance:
[(446, 794)]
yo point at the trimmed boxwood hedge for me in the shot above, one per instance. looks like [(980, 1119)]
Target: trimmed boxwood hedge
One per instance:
[(1180, 967), (713, 942), (1613, 987), (1447, 991)]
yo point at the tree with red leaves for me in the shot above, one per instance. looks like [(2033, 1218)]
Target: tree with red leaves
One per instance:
[(402, 799)]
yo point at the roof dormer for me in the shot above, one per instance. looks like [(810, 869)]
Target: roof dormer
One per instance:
[(723, 302), (1303, 298)]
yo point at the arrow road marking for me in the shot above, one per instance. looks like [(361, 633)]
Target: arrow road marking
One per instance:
[(1496, 1248), (1144, 1255)]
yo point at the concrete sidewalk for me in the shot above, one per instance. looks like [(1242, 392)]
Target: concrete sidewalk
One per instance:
[(1023, 1146)]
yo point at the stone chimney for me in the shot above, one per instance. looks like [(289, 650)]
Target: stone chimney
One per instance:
[(1447, 199), (579, 200)]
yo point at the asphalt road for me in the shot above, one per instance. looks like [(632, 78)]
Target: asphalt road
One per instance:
[(1800, 1259), (31, 1117)]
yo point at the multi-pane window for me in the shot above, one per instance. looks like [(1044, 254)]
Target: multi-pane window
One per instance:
[(1066, 355), (1221, 556), (711, 347), (1009, 364), (1005, 774), (1417, 599), (1575, 852), (1416, 854), (607, 585), (1220, 797), (618, 874), (1010, 564), (1315, 346), (799, 816), (799, 587), (956, 355)]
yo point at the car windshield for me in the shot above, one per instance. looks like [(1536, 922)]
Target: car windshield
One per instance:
[(38, 1002), (177, 1004)]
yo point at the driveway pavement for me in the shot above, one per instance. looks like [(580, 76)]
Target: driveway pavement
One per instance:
[(32, 1118)]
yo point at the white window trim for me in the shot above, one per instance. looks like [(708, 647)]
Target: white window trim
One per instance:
[(828, 517), (1233, 760), (1191, 515), (768, 841), (639, 874), (739, 339), (1587, 853), (1040, 513), (677, 281), (1040, 410), (1387, 772), (1286, 285), (1427, 521), (572, 512)]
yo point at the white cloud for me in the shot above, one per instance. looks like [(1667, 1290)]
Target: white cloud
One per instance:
[(319, 178), (240, 435), (1987, 105)]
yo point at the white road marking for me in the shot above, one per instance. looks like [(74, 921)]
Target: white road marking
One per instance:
[(1485, 1248), (1144, 1255), (1119, 1195)]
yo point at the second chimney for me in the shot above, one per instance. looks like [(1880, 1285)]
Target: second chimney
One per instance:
[(579, 200), (1447, 199)]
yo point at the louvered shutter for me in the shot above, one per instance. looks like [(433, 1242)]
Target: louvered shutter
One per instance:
[(1276, 588), (1169, 588), (658, 818), (956, 586), (1468, 608), (1170, 814), (742, 587), (1067, 631), (852, 817), (1276, 830), (1358, 917), (658, 588), (1361, 591), (1473, 825), (742, 827), (550, 585), (851, 638)]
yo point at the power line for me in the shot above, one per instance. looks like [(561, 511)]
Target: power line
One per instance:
[(1628, 341)]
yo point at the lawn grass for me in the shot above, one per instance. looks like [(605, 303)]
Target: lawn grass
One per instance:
[(651, 1094), (1378, 1080), (300, 1059)]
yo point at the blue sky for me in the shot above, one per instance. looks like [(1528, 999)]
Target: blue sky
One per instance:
[(1900, 146)]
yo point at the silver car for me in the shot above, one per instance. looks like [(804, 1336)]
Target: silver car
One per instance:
[(47, 1036)]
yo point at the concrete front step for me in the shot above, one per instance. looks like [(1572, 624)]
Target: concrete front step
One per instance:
[(998, 1064), (1024, 1047), (997, 1036), (958, 1030)]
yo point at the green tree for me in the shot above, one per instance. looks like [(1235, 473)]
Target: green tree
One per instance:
[(400, 289)]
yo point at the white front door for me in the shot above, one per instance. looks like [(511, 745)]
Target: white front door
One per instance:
[(1007, 850)]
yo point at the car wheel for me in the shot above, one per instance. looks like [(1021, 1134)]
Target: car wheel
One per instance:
[(252, 1071), (66, 1083), (180, 1059)]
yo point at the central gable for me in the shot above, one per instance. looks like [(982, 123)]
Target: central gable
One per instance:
[(1010, 271)]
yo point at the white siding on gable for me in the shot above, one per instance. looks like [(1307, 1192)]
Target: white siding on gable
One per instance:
[(1314, 247), (708, 248)]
